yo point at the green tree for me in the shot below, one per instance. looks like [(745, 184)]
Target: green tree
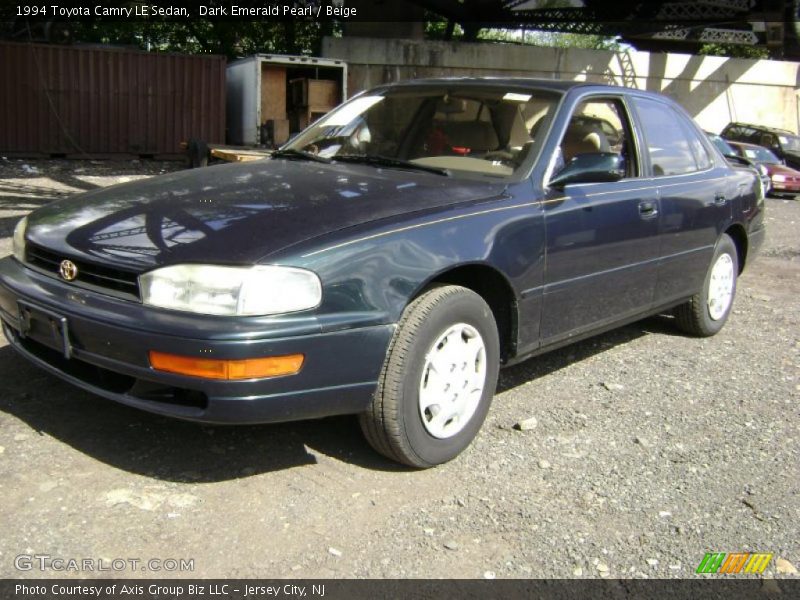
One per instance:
[(550, 39), (200, 36), (734, 51)]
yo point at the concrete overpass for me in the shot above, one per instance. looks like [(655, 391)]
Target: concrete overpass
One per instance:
[(655, 26)]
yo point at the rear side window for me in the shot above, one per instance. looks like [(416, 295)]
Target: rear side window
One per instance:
[(700, 152), (748, 134), (672, 146), (733, 132)]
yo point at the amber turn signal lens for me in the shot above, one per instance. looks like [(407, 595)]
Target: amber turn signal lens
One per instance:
[(209, 368)]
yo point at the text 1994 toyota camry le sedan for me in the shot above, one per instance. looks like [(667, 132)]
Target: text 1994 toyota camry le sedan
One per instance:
[(388, 260)]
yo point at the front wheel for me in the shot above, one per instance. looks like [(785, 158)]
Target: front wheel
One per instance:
[(438, 380), (708, 310)]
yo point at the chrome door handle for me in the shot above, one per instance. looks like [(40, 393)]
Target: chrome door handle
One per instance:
[(648, 210)]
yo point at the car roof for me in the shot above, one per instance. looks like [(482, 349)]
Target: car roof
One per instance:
[(556, 85), (760, 127)]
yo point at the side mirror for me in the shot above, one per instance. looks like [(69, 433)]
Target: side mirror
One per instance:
[(594, 167)]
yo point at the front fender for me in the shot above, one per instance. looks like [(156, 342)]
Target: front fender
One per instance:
[(375, 272)]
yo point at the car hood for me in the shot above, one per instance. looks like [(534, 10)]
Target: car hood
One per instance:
[(238, 213)]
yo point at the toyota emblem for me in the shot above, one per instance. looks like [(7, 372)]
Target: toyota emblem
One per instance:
[(68, 270)]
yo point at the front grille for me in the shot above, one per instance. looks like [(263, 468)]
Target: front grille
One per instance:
[(90, 274)]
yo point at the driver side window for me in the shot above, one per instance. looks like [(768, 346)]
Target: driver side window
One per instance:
[(598, 134)]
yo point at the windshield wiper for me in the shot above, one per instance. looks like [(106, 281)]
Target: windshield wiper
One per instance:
[(384, 161), (299, 154)]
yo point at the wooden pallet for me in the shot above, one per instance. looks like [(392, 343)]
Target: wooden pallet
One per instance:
[(237, 154)]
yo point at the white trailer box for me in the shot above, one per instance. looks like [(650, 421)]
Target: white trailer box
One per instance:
[(270, 96)]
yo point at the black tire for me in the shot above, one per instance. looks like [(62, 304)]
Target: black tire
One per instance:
[(694, 317), (394, 424)]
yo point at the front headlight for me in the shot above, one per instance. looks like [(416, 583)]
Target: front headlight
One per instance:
[(18, 241), (779, 178), (234, 291)]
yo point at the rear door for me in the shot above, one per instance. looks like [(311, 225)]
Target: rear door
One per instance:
[(695, 194)]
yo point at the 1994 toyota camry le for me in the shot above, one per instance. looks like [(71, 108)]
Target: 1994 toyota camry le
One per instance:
[(388, 260)]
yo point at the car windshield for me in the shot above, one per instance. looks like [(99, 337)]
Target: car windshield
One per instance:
[(761, 155), (790, 143), (474, 132)]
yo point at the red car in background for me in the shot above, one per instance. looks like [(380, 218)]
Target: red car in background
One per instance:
[(785, 180)]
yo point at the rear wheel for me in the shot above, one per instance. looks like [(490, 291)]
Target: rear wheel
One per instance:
[(438, 379), (708, 310)]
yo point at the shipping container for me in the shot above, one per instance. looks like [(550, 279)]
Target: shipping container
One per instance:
[(96, 101), (271, 96)]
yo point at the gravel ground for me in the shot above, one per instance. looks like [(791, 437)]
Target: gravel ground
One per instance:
[(648, 450)]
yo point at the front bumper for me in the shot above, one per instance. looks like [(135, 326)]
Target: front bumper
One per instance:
[(101, 344)]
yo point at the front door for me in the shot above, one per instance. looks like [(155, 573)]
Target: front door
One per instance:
[(602, 246)]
